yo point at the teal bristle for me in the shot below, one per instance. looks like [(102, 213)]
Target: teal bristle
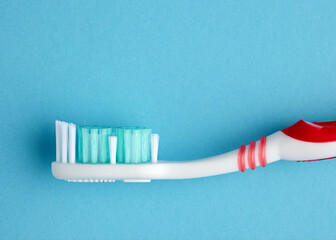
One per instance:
[(136, 156), (120, 145), (79, 145), (104, 154), (145, 145), (86, 145), (133, 144), (93, 144), (127, 145)]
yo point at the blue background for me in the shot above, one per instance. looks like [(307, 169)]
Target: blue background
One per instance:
[(206, 76)]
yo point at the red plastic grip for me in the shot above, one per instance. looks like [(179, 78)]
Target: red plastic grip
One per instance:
[(241, 158), (251, 155), (262, 152), (312, 132)]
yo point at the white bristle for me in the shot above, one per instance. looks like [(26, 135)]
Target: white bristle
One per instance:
[(154, 147), (72, 143), (113, 149), (58, 141), (64, 141)]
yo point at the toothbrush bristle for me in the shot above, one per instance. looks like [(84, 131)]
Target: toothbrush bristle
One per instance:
[(72, 143), (99, 145), (58, 141), (64, 140), (154, 147)]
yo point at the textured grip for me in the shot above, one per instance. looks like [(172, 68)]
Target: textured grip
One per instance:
[(247, 155)]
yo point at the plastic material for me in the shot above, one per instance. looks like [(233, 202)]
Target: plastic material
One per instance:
[(93, 146), (318, 132), (133, 145), (58, 141), (72, 143), (113, 149), (241, 158), (261, 152), (154, 147), (64, 141), (251, 155), (265, 151)]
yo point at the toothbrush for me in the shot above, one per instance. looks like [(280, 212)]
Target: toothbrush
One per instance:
[(130, 154)]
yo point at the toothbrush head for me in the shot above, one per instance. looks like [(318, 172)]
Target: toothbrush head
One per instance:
[(100, 147)]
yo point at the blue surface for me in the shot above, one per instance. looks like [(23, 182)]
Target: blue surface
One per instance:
[(206, 76)]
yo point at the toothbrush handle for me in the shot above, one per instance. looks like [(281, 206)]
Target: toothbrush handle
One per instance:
[(283, 144), (303, 141)]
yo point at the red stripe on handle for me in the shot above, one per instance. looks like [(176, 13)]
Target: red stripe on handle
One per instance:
[(262, 152), (241, 158), (251, 155)]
